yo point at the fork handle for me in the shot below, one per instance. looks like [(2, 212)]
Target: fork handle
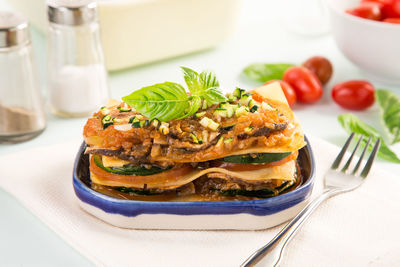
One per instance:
[(271, 253)]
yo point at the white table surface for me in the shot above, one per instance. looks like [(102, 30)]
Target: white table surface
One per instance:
[(260, 37)]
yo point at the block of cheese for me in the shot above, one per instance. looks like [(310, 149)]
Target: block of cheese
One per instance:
[(136, 32)]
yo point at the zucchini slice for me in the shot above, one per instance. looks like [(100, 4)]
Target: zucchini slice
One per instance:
[(263, 193), (259, 158), (128, 190), (128, 169)]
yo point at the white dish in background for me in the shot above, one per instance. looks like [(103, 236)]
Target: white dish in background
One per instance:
[(372, 45), (136, 32)]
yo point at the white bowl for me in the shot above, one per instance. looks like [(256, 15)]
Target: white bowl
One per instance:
[(372, 45)]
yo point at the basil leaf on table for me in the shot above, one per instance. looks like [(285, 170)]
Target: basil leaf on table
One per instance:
[(390, 113), (164, 101), (352, 123), (265, 72)]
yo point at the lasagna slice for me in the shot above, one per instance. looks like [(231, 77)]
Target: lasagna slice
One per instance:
[(245, 148)]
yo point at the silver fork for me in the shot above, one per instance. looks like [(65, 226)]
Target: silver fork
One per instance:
[(336, 182)]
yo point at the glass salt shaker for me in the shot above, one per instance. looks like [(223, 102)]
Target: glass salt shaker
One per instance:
[(21, 111), (77, 77)]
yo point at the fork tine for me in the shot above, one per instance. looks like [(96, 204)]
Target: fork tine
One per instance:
[(344, 169), (361, 157), (339, 157), (371, 159)]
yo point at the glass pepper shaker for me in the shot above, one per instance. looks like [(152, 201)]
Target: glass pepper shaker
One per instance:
[(77, 77), (21, 112)]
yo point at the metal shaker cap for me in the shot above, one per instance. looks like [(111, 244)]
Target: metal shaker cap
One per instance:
[(14, 29), (72, 12)]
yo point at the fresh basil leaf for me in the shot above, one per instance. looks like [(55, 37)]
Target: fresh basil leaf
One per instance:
[(199, 83), (204, 85), (390, 113), (352, 123), (164, 101), (214, 96), (265, 72), (168, 101), (194, 106), (192, 79), (208, 79)]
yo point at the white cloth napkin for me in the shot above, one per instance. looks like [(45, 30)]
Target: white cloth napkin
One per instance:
[(360, 228)]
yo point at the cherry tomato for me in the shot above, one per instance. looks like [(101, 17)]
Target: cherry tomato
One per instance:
[(321, 67), (381, 3), (354, 95), (392, 11), (305, 83), (389, 8), (290, 94), (392, 20), (367, 11)]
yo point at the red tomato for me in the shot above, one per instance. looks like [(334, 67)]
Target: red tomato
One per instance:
[(367, 11), (290, 94), (389, 8), (354, 95), (320, 66), (305, 83), (392, 20), (394, 10), (381, 3)]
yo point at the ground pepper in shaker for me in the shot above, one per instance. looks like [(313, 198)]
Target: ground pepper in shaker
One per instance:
[(21, 112), (77, 77)]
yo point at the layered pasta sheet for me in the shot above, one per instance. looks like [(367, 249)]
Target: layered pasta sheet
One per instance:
[(250, 154)]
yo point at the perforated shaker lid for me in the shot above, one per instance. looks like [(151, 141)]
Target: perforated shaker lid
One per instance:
[(72, 12), (14, 29)]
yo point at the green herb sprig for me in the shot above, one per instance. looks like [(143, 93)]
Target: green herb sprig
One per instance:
[(168, 101), (351, 123), (389, 105), (262, 72)]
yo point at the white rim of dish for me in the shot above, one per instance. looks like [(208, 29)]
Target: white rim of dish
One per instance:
[(331, 5)]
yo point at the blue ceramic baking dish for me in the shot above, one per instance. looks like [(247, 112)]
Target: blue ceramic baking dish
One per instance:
[(238, 215)]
